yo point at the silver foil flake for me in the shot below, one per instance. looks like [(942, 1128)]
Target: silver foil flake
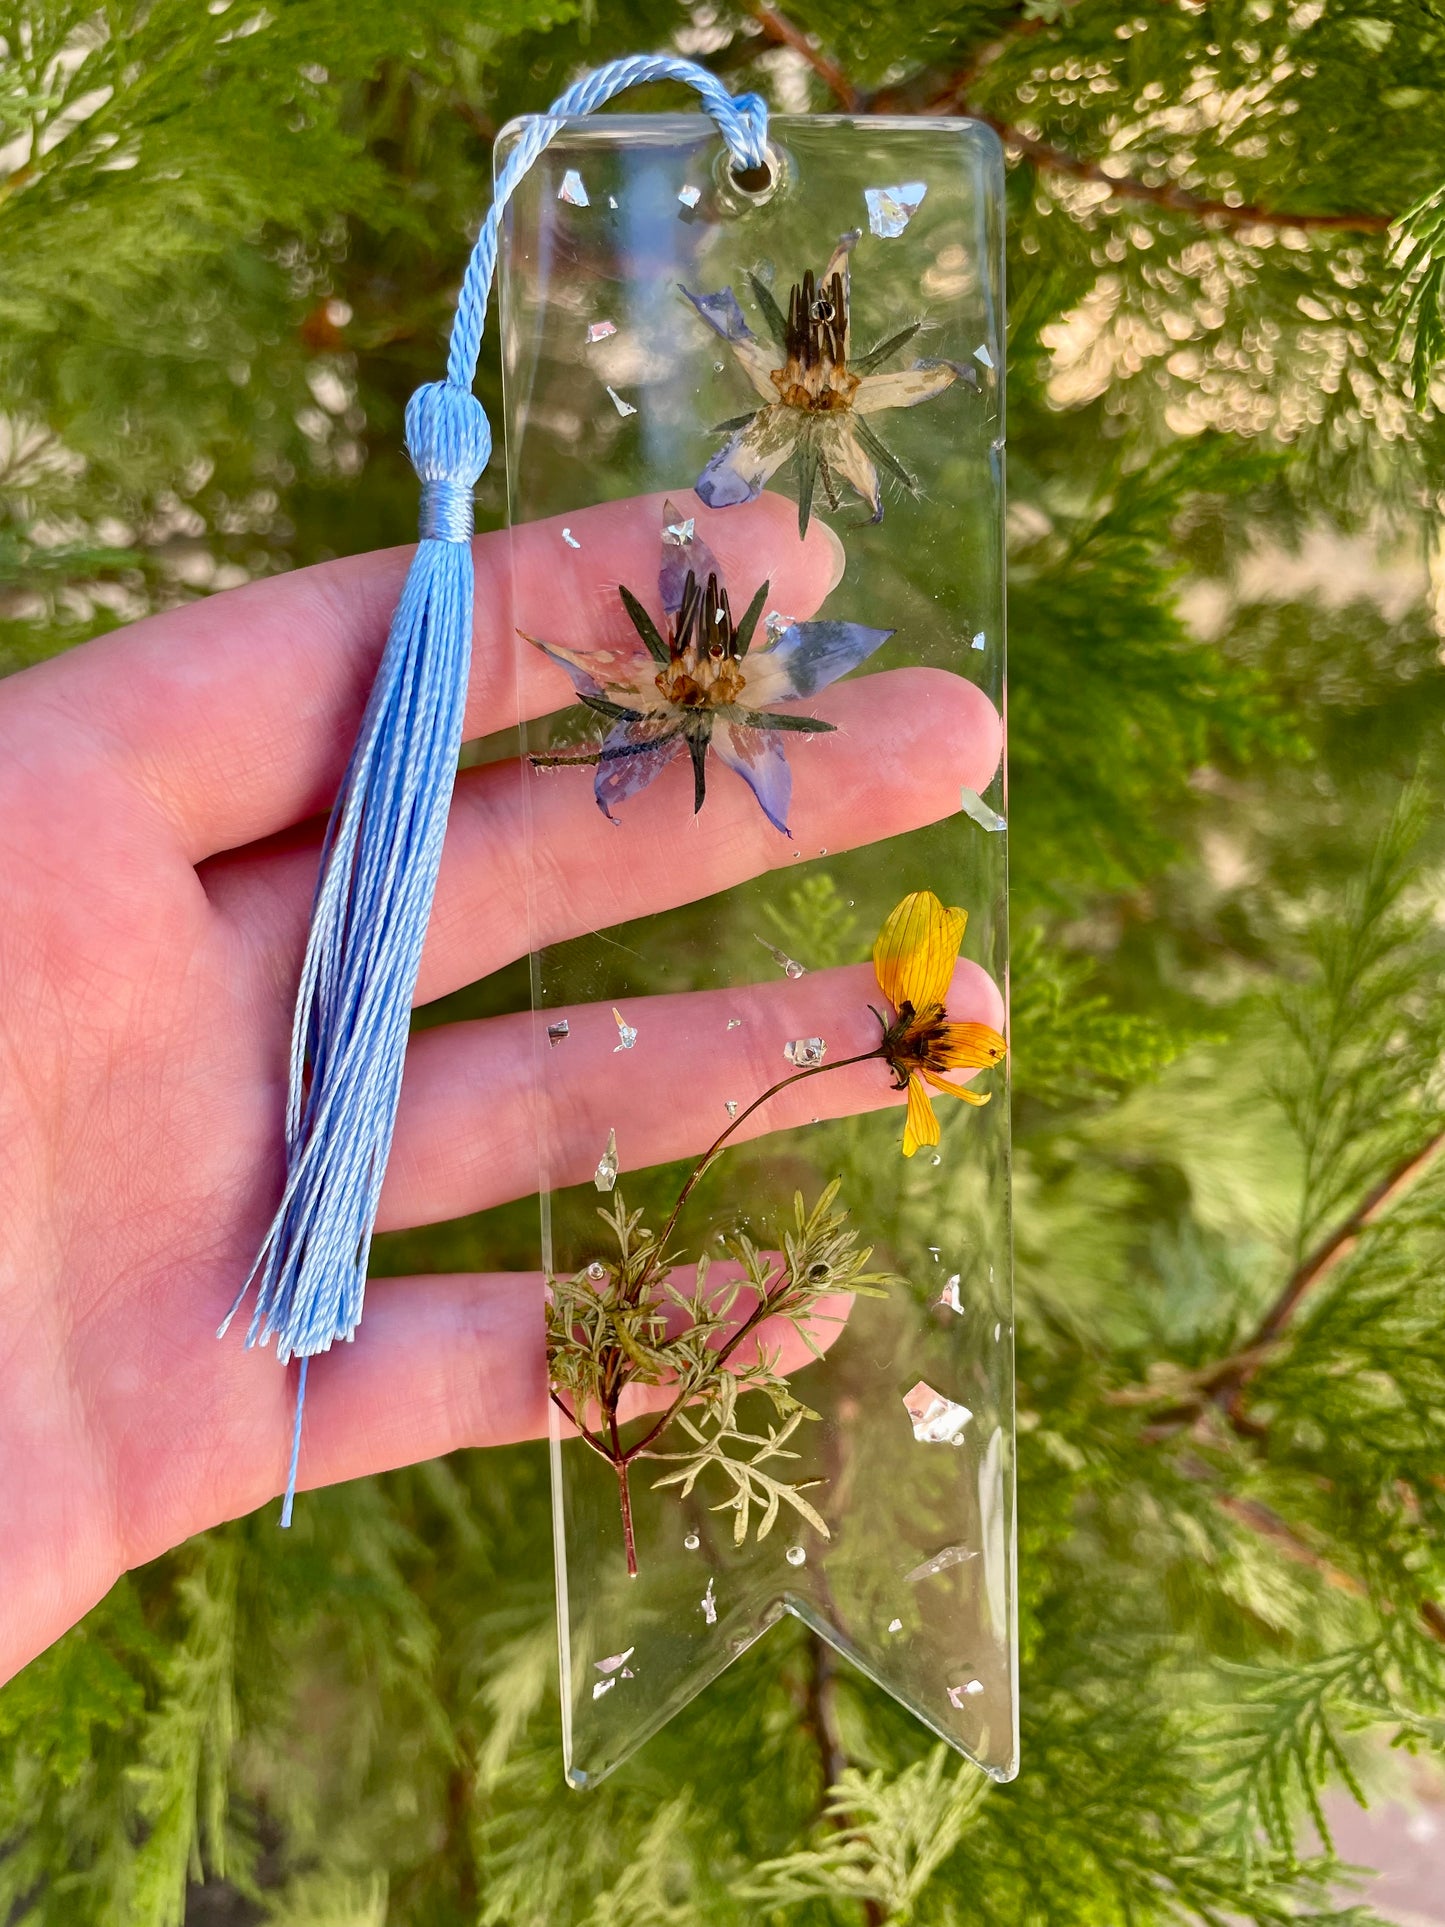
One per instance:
[(982, 354), (890, 209), (936, 1420), (805, 1052), (570, 539), (735, 1023), (709, 1605), (776, 624), (789, 966), (559, 1032), (615, 1662), (796, 1555), (895, 1625), (680, 532), (957, 1694), (974, 806), (626, 1035), (605, 1176), (948, 1298), (730, 1105), (612, 200), (689, 195), (572, 191), (980, 641), (600, 330), (602, 1686), (622, 407), (940, 1562)]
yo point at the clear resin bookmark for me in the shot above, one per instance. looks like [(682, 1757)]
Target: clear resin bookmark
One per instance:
[(760, 645)]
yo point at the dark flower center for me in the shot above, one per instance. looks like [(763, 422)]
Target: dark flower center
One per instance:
[(916, 1041), (815, 374), (703, 669)]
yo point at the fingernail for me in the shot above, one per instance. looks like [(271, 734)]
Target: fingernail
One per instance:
[(840, 558)]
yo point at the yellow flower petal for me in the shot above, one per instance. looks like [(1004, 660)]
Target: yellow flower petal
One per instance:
[(916, 951), (922, 1125), (954, 1090), (971, 1047)]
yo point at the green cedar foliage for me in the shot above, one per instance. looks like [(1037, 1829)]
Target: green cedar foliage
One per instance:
[(229, 238)]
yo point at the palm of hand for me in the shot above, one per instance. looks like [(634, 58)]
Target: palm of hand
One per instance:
[(158, 792)]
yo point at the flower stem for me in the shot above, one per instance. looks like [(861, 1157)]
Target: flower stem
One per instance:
[(700, 1168), (624, 1495)]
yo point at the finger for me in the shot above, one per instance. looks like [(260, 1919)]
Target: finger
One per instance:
[(237, 713), (905, 741), (484, 1110)]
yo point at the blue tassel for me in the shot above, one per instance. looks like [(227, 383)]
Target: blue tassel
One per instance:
[(384, 842), (369, 918)]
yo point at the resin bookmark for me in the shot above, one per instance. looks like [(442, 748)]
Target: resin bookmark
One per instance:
[(769, 415)]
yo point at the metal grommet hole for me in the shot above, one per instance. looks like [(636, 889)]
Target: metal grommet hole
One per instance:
[(753, 180)]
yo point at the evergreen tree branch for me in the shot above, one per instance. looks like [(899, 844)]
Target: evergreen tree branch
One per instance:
[(1223, 1384), (821, 1714), (1228, 1381), (954, 98), (1165, 194), (1266, 1523), (784, 32), (822, 1709)]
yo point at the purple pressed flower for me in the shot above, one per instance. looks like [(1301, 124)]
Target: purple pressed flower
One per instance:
[(817, 405), (696, 684)]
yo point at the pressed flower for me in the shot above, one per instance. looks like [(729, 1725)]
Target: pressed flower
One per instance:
[(914, 958), (695, 684), (819, 403)]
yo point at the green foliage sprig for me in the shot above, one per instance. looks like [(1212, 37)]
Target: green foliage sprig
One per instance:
[(632, 1326)]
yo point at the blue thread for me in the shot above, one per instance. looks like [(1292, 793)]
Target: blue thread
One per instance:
[(383, 844), (289, 1501), (446, 512)]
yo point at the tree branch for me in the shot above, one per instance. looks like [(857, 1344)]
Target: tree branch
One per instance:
[(822, 1717), (1167, 194), (1268, 1524), (823, 1709), (786, 33), (1262, 1519), (1341, 1242), (954, 99), (1223, 1384)]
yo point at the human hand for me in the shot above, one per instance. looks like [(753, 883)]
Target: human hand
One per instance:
[(159, 790)]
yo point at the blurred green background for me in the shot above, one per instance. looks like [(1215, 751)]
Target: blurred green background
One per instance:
[(230, 237)]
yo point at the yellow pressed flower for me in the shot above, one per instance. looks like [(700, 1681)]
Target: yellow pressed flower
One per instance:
[(914, 958)]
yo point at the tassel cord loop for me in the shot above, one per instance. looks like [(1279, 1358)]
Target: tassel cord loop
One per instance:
[(742, 120)]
